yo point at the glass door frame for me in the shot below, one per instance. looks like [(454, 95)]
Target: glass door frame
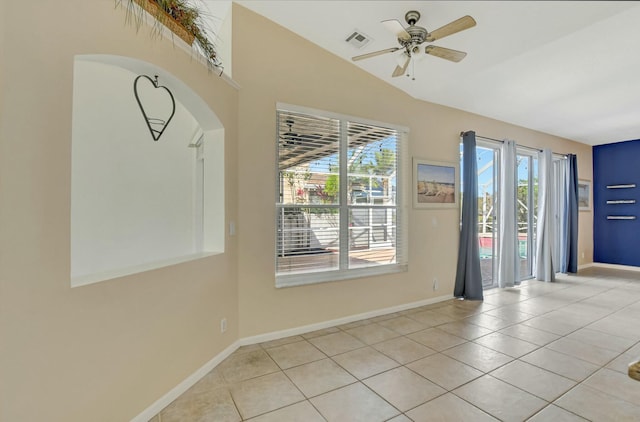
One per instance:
[(495, 164), (532, 180)]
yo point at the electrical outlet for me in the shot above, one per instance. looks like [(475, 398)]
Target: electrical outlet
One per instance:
[(582, 255), (435, 283), (223, 325)]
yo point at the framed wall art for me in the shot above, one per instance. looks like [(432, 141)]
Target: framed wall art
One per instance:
[(436, 184), (584, 195)]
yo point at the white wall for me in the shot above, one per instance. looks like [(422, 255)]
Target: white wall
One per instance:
[(133, 199)]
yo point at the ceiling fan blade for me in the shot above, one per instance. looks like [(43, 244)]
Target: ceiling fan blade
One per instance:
[(401, 70), (396, 27), (445, 53), (458, 25), (375, 53)]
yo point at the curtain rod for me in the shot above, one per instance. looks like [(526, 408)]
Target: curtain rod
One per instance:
[(521, 146)]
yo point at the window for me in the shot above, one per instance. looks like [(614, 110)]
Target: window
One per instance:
[(339, 197)]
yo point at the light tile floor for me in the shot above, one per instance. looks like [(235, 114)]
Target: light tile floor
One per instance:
[(540, 352)]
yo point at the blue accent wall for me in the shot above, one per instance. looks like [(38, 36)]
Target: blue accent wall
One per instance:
[(616, 241)]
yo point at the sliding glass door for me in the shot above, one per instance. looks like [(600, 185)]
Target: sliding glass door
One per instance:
[(488, 156), (526, 209), (489, 179), (488, 206)]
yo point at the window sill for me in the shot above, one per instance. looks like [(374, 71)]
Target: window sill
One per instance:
[(303, 279), (83, 280)]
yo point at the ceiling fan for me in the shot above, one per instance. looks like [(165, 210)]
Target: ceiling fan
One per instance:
[(293, 139), (411, 37)]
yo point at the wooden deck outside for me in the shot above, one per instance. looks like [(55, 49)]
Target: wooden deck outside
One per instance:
[(329, 260)]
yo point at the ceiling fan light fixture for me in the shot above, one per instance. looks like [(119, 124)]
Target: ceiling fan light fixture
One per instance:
[(401, 58)]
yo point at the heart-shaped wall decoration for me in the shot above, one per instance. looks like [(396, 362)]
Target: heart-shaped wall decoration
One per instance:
[(156, 102)]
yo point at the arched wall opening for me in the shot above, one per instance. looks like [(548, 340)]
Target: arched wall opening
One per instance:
[(139, 204)]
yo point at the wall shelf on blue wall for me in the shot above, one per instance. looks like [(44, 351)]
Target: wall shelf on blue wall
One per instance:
[(621, 217), (621, 201), (627, 186)]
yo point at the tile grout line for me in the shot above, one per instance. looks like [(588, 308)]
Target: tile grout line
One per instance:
[(457, 317)]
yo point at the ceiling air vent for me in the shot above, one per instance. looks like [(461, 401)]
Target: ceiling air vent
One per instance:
[(358, 39)]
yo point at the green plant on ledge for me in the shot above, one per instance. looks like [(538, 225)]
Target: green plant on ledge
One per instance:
[(182, 17)]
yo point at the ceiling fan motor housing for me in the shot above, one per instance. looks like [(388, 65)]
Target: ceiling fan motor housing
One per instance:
[(418, 33)]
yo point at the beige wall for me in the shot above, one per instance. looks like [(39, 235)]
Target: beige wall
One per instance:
[(273, 65), (106, 351)]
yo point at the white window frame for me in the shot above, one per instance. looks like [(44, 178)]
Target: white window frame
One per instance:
[(402, 186)]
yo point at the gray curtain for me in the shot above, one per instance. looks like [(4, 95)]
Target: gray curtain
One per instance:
[(559, 210), (544, 240), (572, 216), (509, 255), (468, 274)]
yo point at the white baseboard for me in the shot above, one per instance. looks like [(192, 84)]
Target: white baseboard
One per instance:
[(275, 335), (615, 266), (192, 379), (188, 382)]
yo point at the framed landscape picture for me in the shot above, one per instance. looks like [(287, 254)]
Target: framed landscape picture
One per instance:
[(435, 184), (584, 195)]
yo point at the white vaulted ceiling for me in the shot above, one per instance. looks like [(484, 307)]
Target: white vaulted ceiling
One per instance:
[(567, 68)]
